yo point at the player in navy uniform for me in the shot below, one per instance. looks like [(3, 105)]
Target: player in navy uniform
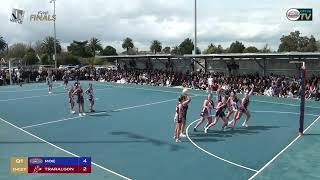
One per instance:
[(89, 92), (207, 110), (71, 99), (179, 118), (186, 101), (79, 92), (220, 113)]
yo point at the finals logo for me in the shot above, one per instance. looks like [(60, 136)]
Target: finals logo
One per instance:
[(42, 16), (295, 14)]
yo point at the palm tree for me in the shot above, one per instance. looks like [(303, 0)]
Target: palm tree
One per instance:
[(3, 44), (127, 44), (48, 46), (156, 46), (94, 45)]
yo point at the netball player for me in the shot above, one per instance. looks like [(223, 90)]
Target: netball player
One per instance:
[(186, 101), (89, 92), (207, 110), (244, 106), (49, 82), (79, 92), (179, 118), (220, 113), (71, 99), (65, 79)]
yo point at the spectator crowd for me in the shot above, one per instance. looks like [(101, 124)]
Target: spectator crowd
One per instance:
[(271, 85)]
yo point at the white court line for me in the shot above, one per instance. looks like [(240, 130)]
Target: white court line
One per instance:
[(230, 162), (30, 97), (213, 155), (68, 152), (77, 117), (59, 85), (275, 157), (270, 102), (285, 112), (296, 105)]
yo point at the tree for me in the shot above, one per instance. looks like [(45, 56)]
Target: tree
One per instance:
[(294, 42), (251, 49), (17, 50), (94, 45), (212, 49), (265, 49), (47, 46), (156, 46), (37, 46), (127, 44), (236, 47), (186, 47), (109, 51), (318, 45), (175, 50), (45, 60), (3, 44), (67, 58), (30, 57), (80, 49), (167, 50)]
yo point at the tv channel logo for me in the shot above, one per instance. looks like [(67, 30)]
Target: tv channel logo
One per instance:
[(299, 14)]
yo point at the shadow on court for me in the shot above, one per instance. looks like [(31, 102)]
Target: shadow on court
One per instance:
[(212, 135), (155, 142)]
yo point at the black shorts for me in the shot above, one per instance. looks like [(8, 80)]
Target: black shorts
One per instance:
[(80, 100), (220, 114), (65, 81)]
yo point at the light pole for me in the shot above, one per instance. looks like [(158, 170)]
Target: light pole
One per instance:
[(54, 29), (195, 27)]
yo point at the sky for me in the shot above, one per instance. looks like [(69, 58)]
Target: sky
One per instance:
[(253, 22)]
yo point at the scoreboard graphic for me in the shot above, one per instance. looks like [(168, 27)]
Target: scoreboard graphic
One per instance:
[(30, 165)]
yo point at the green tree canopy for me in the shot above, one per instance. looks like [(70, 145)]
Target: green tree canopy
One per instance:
[(294, 42), (212, 49), (67, 58), (80, 49), (18, 50), (251, 49), (236, 47), (166, 50), (94, 45), (109, 51), (127, 44), (186, 47), (156, 46), (30, 57), (3, 44), (47, 46)]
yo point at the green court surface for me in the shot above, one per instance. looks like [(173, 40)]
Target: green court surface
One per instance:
[(130, 135)]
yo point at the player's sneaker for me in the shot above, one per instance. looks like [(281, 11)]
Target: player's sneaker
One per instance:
[(178, 140), (83, 114), (245, 125), (206, 130), (182, 135), (80, 114)]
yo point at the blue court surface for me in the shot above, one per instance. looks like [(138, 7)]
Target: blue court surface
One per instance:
[(130, 136)]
